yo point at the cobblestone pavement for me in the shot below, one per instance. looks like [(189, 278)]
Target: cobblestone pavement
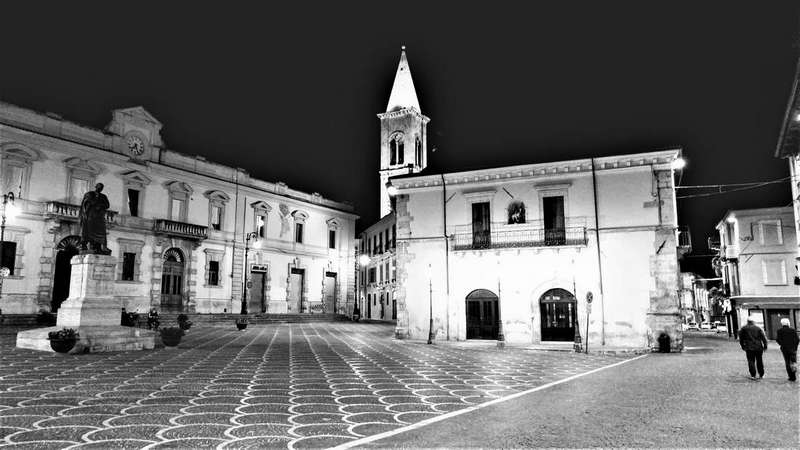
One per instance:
[(702, 398), (296, 386)]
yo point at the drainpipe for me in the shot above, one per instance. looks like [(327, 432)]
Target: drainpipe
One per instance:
[(446, 255), (599, 259)]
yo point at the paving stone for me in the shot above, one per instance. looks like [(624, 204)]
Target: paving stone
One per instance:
[(71, 433), (114, 444)]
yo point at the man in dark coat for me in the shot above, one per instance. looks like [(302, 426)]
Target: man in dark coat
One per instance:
[(788, 340), (753, 342)]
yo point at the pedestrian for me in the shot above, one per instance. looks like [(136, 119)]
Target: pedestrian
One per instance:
[(753, 342), (788, 340)]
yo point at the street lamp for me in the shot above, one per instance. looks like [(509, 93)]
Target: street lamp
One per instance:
[(9, 210), (256, 244), (363, 262)]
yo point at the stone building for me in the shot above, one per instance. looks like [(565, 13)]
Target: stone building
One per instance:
[(180, 226), (518, 251), (789, 148), (757, 255)]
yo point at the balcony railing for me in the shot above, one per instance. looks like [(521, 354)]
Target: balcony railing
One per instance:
[(182, 229), (66, 211), (503, 235)]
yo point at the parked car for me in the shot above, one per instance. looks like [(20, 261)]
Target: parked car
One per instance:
[(691, 326), (705, 326), (722, 327)]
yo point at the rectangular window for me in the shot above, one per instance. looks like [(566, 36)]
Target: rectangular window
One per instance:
[(13, 177), (128, 265), (770, 232), (216, 218), (553, 212), (380, 242), (381, 272), (331, 238), (374, 244), (79, 188), (133, 202), (298, 233), (372, 274), (386, 233), (729, 230), (213, 273), (481, 226), (394, 236), (387, 272), (176, 209), (394, 270), (8, 254), (261, 226), (774, 271)]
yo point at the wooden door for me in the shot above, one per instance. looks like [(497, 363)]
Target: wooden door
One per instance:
[(172, 285), (296, 290), (329, 293), (559, 315), (482, 315), (257, 300), (481, 225), (774, 317)]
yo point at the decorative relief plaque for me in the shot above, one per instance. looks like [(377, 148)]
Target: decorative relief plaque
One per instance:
[(102, 272)]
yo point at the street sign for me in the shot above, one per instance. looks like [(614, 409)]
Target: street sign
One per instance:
[(589, 297)]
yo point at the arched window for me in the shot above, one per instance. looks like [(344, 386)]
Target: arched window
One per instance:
[(516, 212), (396, 149), (392, 151)]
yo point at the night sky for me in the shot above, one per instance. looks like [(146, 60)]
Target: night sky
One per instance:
[(291, 92)]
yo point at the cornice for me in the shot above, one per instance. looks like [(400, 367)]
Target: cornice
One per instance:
[(404, 112), (657, 160)]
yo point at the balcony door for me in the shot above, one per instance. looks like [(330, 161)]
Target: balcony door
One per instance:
[(481, 225), (553, 214), (172, 280)]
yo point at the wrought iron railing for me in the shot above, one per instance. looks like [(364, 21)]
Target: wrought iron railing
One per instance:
[(502, 235), (182, 229), (71, 212)]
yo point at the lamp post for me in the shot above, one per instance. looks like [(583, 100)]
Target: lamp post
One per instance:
[(8, 210), (363, 262), (256, 244)]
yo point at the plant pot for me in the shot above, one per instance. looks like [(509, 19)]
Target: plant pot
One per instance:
[(241, 326), (62, 345), (171, 340)]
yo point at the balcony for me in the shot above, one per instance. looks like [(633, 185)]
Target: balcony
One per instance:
[(532, 234), (180, 229), (69, 212)]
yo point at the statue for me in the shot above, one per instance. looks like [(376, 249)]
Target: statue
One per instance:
[(93, 222)]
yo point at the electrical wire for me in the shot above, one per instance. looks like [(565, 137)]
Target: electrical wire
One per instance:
[(755, 186), (754, 183)]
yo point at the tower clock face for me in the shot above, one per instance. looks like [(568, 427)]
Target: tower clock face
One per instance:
[(135, 145)]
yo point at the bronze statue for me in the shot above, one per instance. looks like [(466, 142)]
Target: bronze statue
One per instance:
[(93, 222)]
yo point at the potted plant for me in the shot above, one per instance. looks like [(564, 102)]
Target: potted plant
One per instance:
[(63, 340), (241, 322), (171, 336), (183, 322)]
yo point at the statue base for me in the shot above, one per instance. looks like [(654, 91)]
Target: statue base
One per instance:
[(92, 311)]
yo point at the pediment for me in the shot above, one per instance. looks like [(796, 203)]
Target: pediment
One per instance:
[(81, 165), (134, 176), (299, 215), (19, 152), (333, 222), (179, 186), (261, 206), (137, 112), (215, 195)]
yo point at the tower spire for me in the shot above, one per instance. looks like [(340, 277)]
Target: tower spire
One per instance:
[(403, 93)]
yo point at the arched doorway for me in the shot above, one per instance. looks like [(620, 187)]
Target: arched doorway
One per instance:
[(482, 314), (172, 280), (559, 311), (66, 249)]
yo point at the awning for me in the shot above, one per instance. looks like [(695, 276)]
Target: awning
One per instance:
[(778, 301)]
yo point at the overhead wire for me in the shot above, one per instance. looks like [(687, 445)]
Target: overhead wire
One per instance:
[(746, 186)]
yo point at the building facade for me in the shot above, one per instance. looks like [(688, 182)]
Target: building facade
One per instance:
[(757, 256), (529, 252), (378, 277), (189, 234), (789, 148)]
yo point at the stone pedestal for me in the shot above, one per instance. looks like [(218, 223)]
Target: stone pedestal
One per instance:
[(93, 311)]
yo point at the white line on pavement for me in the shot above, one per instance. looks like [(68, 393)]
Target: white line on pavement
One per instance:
[(414, 426)]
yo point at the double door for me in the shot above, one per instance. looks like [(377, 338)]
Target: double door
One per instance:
[(172, 286), (482, 317)]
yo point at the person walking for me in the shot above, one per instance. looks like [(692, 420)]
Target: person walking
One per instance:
[(753, 342), (788, 340)]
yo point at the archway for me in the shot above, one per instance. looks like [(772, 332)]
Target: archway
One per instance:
[(559, 312), (65, 250), (482, 314), (172, 280)]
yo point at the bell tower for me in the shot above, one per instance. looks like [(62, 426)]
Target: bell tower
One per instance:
[(403, 132)]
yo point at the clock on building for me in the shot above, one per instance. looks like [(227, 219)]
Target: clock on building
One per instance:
[(135, 145)]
